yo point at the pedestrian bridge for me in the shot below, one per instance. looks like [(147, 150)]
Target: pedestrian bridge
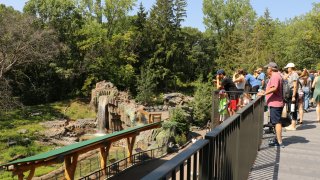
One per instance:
[(238, 149)]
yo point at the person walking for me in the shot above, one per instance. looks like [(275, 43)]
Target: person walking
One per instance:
[(274, 100), (316, 95), (306, 83)]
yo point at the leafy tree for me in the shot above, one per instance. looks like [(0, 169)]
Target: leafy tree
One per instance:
[(115, 13), (222, 19), (22, 45)]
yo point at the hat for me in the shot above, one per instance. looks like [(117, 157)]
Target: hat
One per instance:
[(222, 91), (289, 65), (272, 65), (221, 71)]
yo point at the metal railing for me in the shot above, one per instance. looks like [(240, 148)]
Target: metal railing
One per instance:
[(118, 166), (227, 152)]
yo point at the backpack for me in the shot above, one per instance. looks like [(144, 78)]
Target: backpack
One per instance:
[(286, 90)]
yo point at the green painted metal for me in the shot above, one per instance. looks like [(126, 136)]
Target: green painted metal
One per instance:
[(73, 147)]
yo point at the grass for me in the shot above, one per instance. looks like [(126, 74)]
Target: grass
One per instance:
[(28, 118)]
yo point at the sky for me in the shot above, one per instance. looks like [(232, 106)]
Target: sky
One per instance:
[(281, 9)]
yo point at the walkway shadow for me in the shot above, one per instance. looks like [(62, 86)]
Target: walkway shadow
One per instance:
[(294, 140), (266, 165), (306, 126)]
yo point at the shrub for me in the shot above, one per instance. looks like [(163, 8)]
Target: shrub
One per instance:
[(179, 116), (180, 139), (202, 102)]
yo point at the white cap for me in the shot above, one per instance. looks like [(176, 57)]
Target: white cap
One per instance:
[(289, 65)]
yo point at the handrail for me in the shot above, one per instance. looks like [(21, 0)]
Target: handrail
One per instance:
[(101, 171), (171, 165), (228, 151)]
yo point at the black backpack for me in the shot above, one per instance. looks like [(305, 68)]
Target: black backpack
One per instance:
[(286, 90)]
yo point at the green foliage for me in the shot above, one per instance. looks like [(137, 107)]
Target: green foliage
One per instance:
[(180, 139), (146, 86), (179, 116), (202, 102)]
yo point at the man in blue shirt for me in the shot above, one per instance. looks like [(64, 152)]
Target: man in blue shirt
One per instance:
[(254, 83), (261, 77)]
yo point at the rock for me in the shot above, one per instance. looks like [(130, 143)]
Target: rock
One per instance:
[(36, 114), (23, 131), (174, 99), (55, 123), (11, 143)]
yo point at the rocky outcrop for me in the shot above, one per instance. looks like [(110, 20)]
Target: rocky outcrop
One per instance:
[(176, 99)]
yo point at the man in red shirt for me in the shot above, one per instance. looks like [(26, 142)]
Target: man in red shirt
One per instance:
[(274, 98)]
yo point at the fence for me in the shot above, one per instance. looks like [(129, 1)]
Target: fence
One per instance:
[(227, 152), (125, 163)]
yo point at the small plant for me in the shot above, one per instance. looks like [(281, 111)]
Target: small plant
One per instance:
[(179, 116), (180, 139)]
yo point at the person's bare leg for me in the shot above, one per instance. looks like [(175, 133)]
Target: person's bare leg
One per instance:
[(294, 123), (279, 132), (318, 111), (301, 111)]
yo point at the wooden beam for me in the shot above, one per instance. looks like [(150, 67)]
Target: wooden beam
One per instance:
[(70, 164), (104, 152), (130, 144)]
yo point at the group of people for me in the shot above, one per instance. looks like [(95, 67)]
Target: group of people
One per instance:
[(237, 92), (303, 91)]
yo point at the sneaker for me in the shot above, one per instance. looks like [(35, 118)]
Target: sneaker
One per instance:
[(272, 140), (290, 128), (276, 144)]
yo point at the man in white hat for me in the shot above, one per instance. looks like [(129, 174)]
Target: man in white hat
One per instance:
[(293, 78)]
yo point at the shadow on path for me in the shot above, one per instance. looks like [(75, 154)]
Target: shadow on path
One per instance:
[(294, 140), (266, 165)]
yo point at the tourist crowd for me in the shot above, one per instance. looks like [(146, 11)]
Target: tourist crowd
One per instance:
[(287, 91)]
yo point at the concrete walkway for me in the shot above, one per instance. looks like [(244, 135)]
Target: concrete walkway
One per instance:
[(298, 160)]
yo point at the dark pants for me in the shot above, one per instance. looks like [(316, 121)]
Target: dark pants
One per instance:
[(255, 88), (275, 114)]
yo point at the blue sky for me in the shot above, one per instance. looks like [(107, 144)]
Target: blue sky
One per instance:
[(281, 9)]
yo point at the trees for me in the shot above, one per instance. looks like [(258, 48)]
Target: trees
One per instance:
[(230, 23), (22, 44)]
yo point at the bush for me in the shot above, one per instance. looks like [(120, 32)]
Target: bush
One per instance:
[(202, 102), (179, 116), (180, 139)]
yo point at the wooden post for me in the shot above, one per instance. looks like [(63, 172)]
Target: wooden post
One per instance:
[(104, 152), (70, 164), (130, 143), (31, 173), (20, 175)]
